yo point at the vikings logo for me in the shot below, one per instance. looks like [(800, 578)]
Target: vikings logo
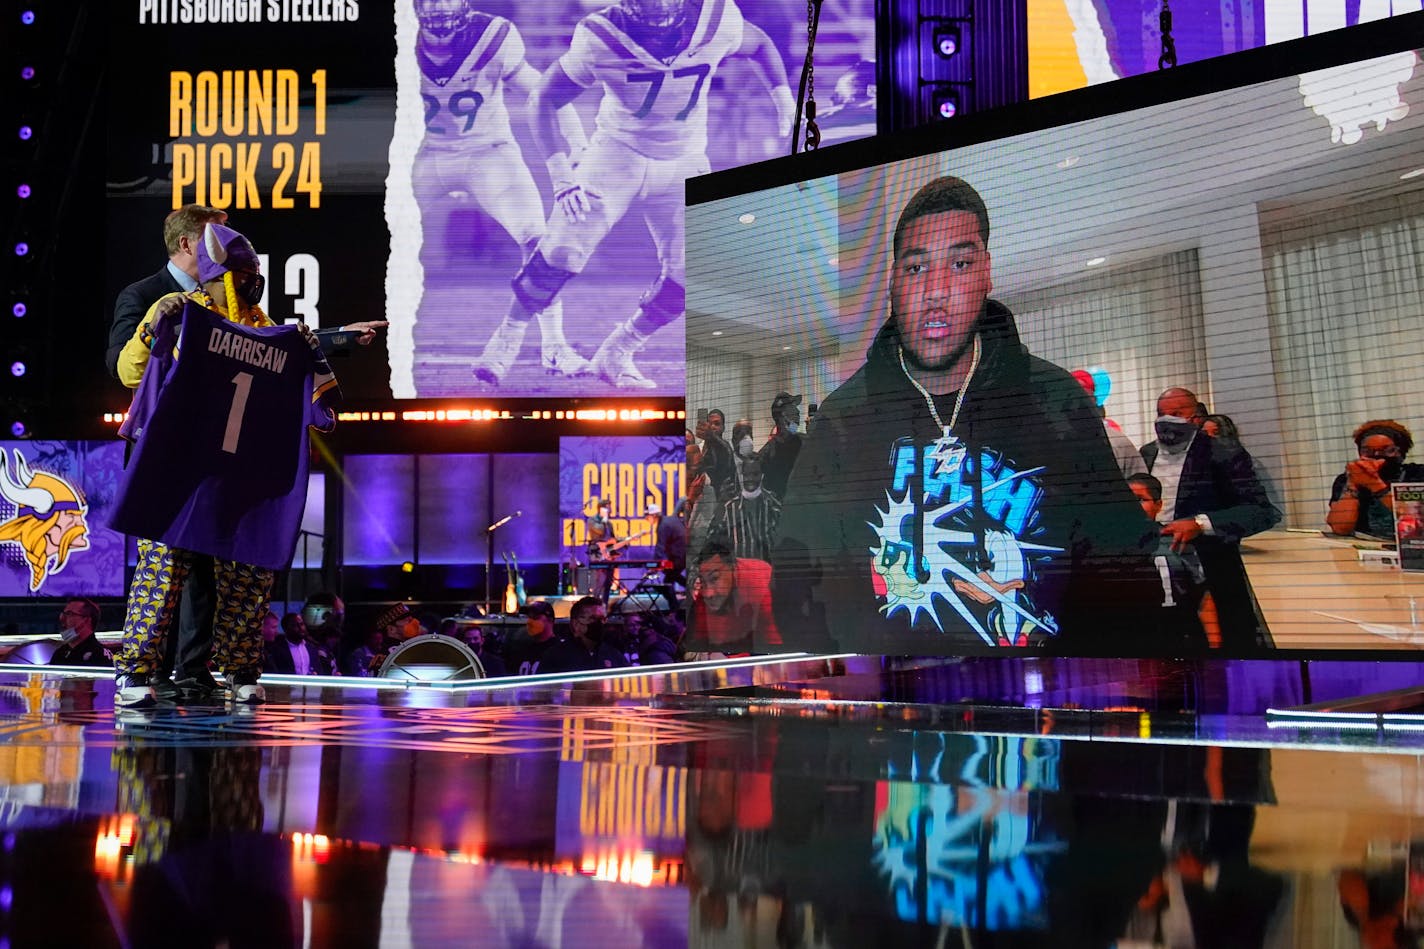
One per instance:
[(49, 518)]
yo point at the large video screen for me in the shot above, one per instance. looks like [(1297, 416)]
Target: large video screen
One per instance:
[(502, 181), (1073, 43), (1130, 384), (55, 498)]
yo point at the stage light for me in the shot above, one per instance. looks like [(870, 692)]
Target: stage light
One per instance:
[(26, 133), (18, 368), (946, 105), (18, 428), (407, 567), (946, 41), (27, 17), (27, 73), (22, 249), (23, 191), (19, 309)]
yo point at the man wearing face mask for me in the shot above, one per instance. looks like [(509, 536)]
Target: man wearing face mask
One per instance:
[(77, 621), (749, 520), (1211, 498), (778, 455)]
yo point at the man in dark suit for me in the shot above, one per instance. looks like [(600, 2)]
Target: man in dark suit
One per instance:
[(1211, 498), (293, 654)]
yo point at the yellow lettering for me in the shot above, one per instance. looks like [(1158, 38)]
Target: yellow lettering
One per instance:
[(309, 175), (219, 160), (184, 171), (627, 502), (259, 102), (207, 103), (180, 106), (283, 157), (233, 102), (247, 155), (286, 104), (319, 81)]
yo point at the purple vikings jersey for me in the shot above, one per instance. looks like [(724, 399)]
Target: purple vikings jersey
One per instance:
[(220, 439)]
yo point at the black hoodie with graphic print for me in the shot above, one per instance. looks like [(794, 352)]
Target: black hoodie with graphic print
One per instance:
[(1020, 532)]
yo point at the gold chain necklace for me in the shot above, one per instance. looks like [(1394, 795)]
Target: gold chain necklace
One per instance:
[(963, 389)]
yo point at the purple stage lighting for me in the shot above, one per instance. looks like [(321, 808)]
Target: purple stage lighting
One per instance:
[(19, 309), (26, 133), (18, 428), (27, 73), (28, 17), (18, 368), (23, 191), (21, 249)]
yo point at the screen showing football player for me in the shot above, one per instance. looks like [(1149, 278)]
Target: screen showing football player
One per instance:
[(468, 61), (957, 492), (655, 61)]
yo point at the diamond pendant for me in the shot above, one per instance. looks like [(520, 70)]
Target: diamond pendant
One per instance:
[(947, 454)]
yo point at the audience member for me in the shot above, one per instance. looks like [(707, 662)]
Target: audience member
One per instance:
[(731, 606), (1191, 609), (79, 648), (1360, 499), (749, 519), (271, 630), (1220, 426), (294, 655), (525, 655), (364, 659), (585, 648), (742, 448), (1129, 459), (778, 455), (718, 463), (490, 661), (646, 642), (1212, 498)]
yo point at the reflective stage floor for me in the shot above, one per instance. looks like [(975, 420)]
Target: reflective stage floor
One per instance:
[(798, 803)]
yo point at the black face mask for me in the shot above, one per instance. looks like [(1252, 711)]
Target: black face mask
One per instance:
[(1392, 469), (251, 292), (1174, 433)]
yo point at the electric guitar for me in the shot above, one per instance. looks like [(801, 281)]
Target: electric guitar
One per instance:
[(607, 548), (514, 596)]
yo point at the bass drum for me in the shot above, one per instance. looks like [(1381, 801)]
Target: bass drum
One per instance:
[(432, 658)]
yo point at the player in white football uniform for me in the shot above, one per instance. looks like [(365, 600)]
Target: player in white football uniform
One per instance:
[(655, 60), (467, 60)]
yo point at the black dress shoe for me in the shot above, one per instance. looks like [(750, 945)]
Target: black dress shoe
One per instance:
[(163, 687), (197, 686)]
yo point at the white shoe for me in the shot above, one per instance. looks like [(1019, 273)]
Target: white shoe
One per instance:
[(563, 360), (614, 360), (133, 691), (248, 693), (500, 352)]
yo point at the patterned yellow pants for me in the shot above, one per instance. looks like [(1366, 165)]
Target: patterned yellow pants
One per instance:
[(243, 592)]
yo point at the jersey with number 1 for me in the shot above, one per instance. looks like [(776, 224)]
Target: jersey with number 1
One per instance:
[(654, 93), (220, 439), (464, 95)]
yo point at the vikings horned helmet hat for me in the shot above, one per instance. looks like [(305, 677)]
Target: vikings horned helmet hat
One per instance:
[(223, 249)]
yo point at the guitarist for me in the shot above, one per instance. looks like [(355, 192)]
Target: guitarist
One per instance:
[(601, 549)]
